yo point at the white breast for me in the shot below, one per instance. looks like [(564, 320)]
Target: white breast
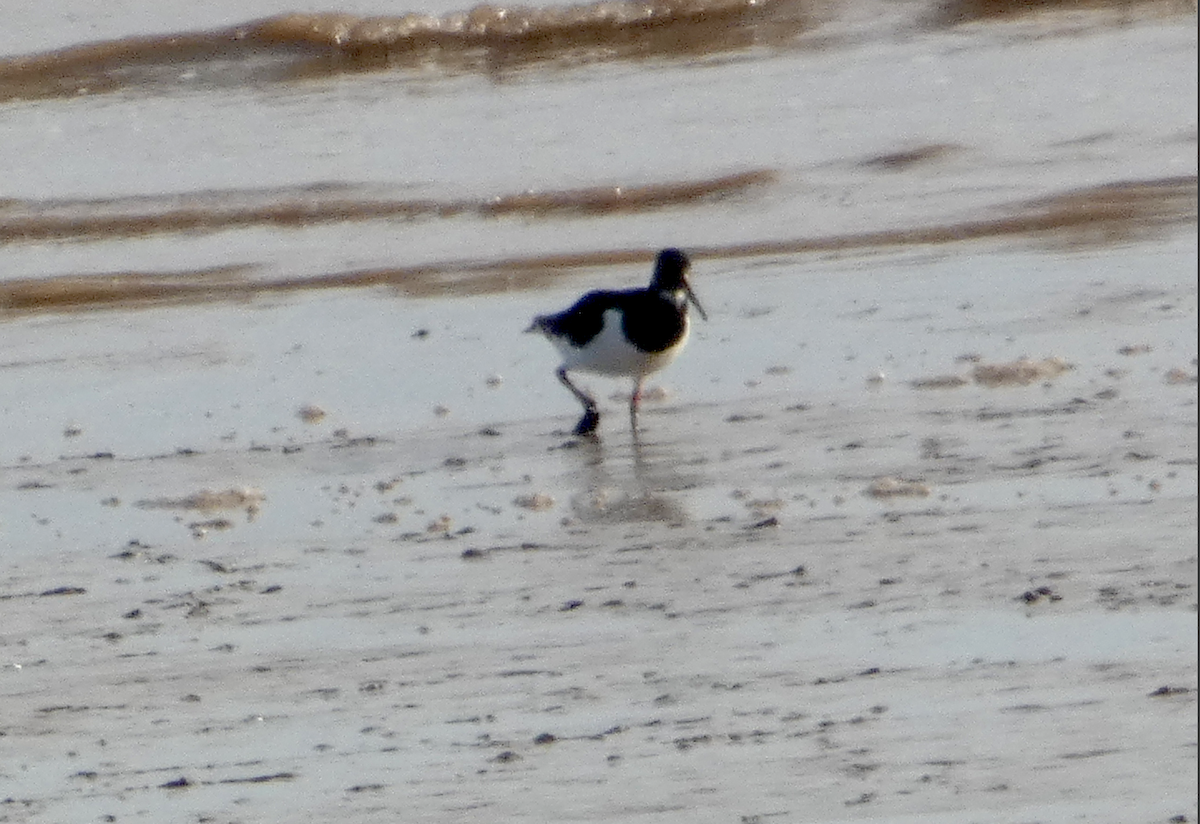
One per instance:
[(610, 354)]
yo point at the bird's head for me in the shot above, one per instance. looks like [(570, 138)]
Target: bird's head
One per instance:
[(670, 275)]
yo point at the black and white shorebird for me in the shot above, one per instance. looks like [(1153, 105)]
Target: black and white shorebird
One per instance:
[(632, 333)]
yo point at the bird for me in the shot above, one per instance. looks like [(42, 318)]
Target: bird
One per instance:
[(632, 333)]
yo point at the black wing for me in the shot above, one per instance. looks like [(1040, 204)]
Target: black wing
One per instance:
[(584, 320)]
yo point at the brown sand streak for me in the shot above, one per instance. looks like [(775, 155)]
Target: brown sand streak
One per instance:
[(1113, 213), (483, 38), (954, 12), (312, 205)]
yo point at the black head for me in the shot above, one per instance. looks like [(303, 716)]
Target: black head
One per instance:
[(670, 275)]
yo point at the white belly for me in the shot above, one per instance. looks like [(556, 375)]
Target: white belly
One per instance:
[(610, 354)]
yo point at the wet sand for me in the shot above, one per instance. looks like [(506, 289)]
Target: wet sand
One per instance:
[(932, 585), (291, 526)]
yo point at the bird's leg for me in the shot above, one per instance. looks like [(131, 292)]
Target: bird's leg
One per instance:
[(635, 400), (591, 414)]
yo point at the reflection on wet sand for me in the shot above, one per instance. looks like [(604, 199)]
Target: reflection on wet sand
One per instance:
[(628, 484), (1094, 216)]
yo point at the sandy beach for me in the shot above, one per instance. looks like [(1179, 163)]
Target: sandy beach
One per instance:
[(292, 524), (895, 573)]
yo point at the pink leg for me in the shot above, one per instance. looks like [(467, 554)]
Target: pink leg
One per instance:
[(634, 401)]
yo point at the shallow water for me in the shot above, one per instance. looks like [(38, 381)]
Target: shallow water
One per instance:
[(160, 161)]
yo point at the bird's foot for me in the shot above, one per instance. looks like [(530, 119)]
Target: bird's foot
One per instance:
[(588, 423)]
